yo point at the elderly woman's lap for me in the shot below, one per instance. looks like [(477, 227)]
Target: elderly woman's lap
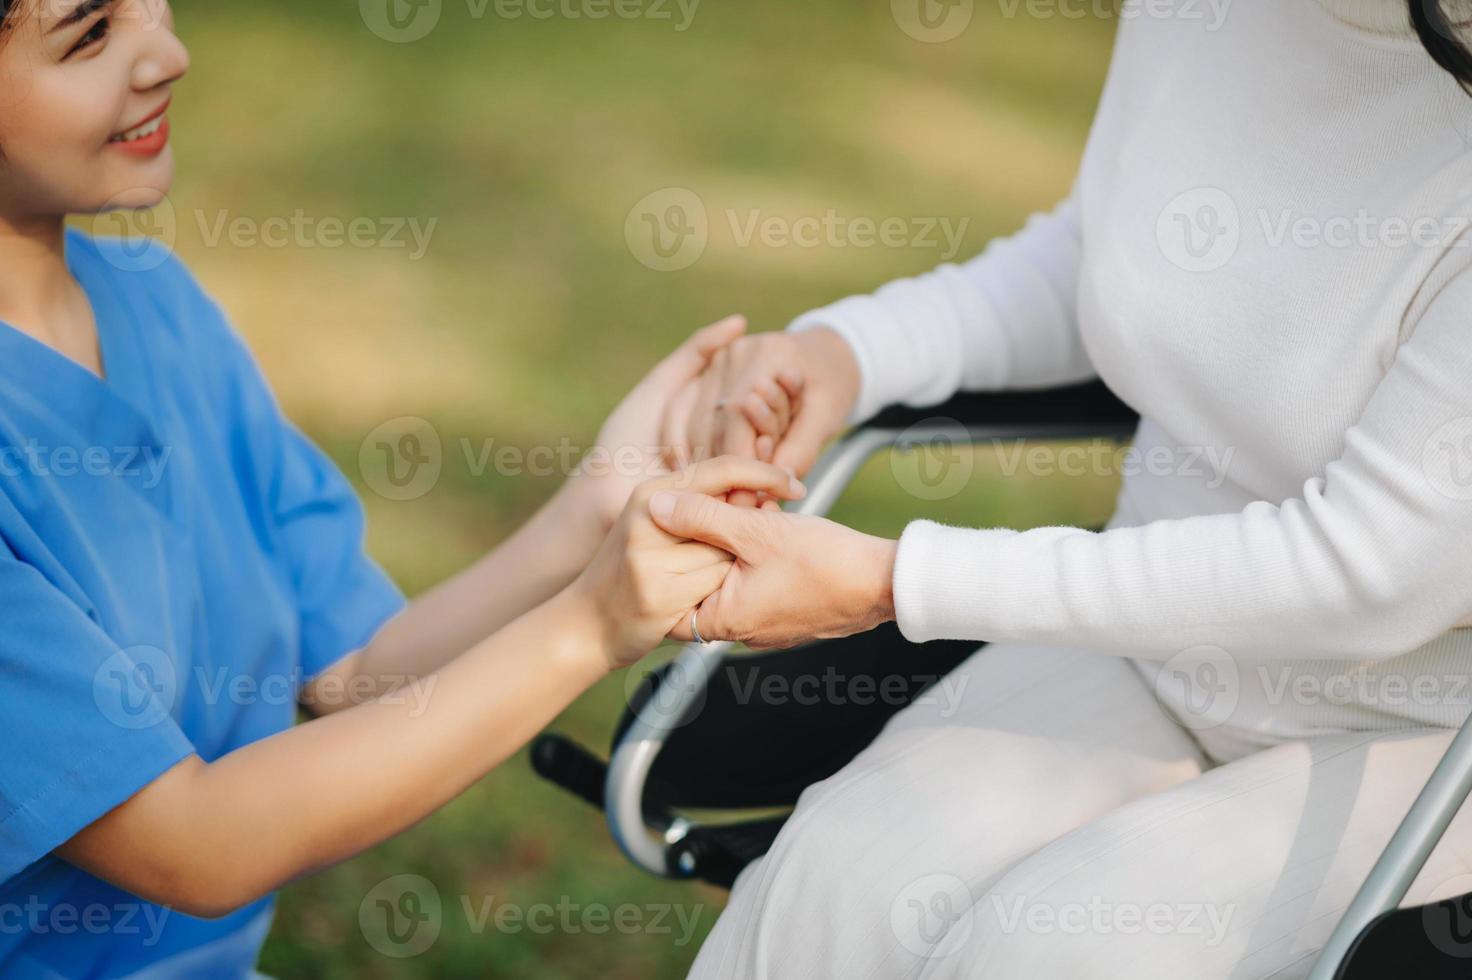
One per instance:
[(1059, 824), (953, 792)]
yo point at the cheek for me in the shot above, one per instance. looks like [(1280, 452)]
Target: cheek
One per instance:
[(53, 134), (38, 125), (71, 114)]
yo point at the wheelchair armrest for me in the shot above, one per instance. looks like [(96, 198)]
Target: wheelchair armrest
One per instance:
[(1079, 410)]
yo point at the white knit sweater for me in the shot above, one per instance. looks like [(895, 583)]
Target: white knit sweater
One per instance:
[(1267, 254)]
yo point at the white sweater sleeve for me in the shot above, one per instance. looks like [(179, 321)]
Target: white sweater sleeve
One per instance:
[(1005, 319), (1372, 560)]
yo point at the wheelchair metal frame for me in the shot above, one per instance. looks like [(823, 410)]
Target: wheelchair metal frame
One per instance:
[(1383, 890)]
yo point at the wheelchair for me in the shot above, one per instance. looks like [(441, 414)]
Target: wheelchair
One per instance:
[(694, 738)]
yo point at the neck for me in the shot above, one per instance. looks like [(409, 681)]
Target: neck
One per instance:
[(37, 292), (1388, 17), (39, 296)]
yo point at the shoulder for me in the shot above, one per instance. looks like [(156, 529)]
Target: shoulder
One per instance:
[(139, 266), (169, 302)]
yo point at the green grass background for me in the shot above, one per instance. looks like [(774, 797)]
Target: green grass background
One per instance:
[(529, 141)]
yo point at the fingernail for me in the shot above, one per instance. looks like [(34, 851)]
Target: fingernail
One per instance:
[(798, 490), (662, 505)]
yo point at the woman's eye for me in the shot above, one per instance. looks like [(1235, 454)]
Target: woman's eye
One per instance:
[(97, 33)]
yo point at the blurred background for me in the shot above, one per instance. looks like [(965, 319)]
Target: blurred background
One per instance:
[(483, 220)]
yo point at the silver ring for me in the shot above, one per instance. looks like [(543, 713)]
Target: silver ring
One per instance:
[(695, 627)]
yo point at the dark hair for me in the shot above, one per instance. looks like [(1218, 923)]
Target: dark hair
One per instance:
[(1438, 35)]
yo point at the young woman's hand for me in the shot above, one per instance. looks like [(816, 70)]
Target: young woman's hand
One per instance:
[(795, 578), (695, 421), (736, 405), (629, 450), (644, 581)]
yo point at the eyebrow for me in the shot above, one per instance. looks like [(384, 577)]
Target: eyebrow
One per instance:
[(79, 13)]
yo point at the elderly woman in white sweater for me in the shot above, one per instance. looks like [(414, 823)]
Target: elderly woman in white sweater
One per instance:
[(1190, 734)]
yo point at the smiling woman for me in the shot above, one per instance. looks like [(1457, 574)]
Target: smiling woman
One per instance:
[(87, 131), (162, 623)]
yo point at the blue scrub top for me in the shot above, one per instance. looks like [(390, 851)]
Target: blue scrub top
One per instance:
[(176, 560)]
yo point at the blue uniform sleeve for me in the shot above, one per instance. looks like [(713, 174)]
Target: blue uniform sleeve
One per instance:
[(313, 521), (316, 522), (85, 724), (343, 596)]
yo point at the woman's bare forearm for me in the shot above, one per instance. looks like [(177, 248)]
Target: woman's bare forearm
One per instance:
[(208, 838), (528, 568)]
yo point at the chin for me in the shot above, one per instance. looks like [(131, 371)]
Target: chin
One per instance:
[(147, 186), (133, 199)]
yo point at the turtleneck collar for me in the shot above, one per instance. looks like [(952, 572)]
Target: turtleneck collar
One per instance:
[(1388, 17)]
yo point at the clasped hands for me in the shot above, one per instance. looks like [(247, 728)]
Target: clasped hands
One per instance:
[(727, 423)]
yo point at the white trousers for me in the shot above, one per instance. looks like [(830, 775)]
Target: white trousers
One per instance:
[(1059, 824)]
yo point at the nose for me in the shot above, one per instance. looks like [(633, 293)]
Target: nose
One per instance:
[(162, 58)]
